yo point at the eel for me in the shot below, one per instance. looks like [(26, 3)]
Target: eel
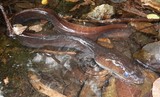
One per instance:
[(112, 60), (61, 25)]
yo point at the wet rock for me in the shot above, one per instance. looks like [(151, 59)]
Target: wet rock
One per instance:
[(140, 39), (149, 56), (101, 12)]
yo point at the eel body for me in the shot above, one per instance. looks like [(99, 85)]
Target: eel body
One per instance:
[(108, 59), (61, 25)]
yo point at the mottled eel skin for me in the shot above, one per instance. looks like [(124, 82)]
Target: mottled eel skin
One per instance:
[(62, 25), (113, 61)]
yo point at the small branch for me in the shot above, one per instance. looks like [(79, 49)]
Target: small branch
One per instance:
[(55, 52), (121, 20), (9, 26)]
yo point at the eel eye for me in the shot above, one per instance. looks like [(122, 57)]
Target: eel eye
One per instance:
[(126, 74)]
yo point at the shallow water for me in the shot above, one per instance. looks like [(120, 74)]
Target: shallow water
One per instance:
[(54, 71)]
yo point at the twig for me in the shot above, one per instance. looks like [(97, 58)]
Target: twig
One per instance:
[(122, 20), (9, 26), (55, 52)]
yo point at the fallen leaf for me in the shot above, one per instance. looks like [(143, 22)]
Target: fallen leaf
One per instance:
[(156, 88), (106, 42), (19, 29), (152, 3), (24, 5), (145, 27), (36, 28), (40, 87), (6, 80), (153, 16), (86, 2)]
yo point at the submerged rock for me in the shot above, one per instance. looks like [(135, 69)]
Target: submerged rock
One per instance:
[(149, 56)]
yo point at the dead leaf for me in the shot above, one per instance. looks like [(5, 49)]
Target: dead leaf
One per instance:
[(86, 2), (36, 28), (6, 80), (152, 3), (156, 88), (106, 42), (144, 27), (19, 29), (38, 85), (24, 4)]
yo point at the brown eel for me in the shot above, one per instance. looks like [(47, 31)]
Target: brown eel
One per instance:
[(109, 59), (61, 25)]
